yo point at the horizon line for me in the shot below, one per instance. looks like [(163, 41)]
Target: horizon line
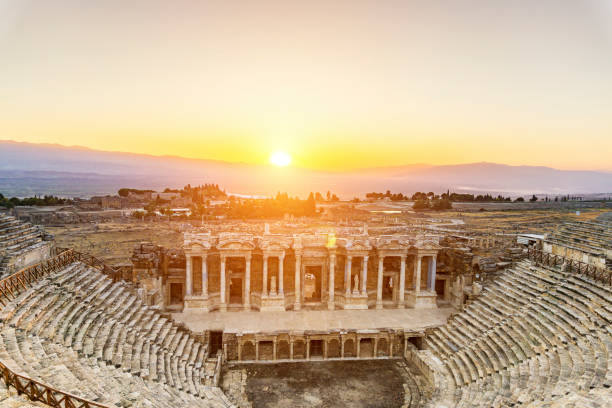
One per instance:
[(314, 169)]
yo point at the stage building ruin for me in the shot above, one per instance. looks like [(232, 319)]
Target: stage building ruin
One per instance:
[(277, 272)]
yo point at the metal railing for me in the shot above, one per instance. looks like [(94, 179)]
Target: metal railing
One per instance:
[(9, 289), (602, 275)]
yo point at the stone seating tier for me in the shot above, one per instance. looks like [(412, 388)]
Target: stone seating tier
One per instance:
[(534, 335), (78, 331), (17, 238)]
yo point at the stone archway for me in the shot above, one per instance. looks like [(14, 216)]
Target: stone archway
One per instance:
[(266, 350), (382, 348), (299, 349), (333, 348), (349, 348), (282, 351), (366, 348), (248, 351)]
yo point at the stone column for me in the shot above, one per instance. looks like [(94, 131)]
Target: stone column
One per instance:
[(256, 350), (417, 274), (247, 283), (265, 275), (281, 275), (223, 306), (330, 282), (204, 277), (379, 304), (364, 276), (432, 273), (341, 348), (274, 349), (188, 275), (291, 349), (307, 349), (402, 282), (298, 291), (347, 275)]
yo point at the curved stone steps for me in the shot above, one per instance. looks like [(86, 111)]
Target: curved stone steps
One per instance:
[(82, 311)]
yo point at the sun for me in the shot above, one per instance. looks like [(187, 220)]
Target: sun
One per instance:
[(280, 159)]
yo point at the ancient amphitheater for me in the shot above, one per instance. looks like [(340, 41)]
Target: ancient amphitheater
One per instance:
[(78, 333)]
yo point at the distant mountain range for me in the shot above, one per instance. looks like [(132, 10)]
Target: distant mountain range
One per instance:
[(27, 169)]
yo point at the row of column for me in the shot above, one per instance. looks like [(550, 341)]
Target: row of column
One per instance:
[(363, 276), (281, 260), (431, 278), (247, 284), (189, 276), (341, 342)]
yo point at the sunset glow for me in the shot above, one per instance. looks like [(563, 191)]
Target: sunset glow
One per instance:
[(280, 159), (342, 86)]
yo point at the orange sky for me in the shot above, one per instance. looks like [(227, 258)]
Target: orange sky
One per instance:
[(337, 85)]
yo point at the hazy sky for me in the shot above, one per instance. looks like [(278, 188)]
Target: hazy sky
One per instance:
[(337, 84)]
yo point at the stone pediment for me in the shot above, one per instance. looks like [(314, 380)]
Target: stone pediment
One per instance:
[(314, 240), (275, 243), (231, 245), (392, 243), (360, 244), (359, 247), (197, 241), (236, 241), (431, 245)]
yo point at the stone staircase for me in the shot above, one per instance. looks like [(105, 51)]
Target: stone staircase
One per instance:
[(534, 335), (587, 236), (16, 238), (78, 331)]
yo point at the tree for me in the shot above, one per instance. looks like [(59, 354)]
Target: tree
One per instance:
[(123, 192), (419, 196), (311, 205), (519, 200), (533, 198), (442, 204), (421, 205)]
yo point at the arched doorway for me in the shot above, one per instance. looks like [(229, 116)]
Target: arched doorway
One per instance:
[(382, 349), (333, 348), (248, 351), (282, 351), (349, 348)]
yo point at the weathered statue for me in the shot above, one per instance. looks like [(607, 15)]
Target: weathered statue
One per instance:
[(356, 284), (273, 285)]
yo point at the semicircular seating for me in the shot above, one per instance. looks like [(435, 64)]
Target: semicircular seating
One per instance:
[(17, 239), (534, 336), (79, 332)]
